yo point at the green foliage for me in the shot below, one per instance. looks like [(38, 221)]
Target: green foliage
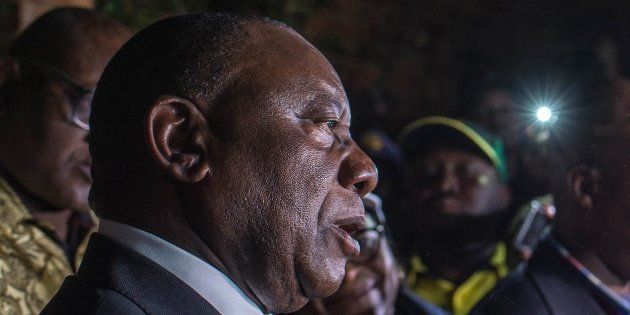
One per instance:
[(140, 13)]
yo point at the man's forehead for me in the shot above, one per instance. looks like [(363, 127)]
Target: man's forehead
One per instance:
[(85, 59), (279, 60), (282, 46)]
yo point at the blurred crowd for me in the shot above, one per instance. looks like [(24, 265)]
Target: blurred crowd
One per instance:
[(519, 203)]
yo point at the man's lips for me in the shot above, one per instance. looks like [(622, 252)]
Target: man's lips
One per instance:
[(343, 229)]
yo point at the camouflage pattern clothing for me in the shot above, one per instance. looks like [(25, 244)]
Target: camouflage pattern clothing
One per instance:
[(32, 264)]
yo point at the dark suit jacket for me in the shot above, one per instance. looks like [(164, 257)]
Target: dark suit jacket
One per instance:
[(407, 303), (547, 285), (113, 279)]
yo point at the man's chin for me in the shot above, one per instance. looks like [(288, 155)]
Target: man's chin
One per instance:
[(324, 288), (288, 306), (71, 193), (75, 201), (322, 281), (312, 282), (79, 204)]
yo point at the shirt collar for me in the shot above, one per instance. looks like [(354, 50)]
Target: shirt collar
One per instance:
[(213, 285)]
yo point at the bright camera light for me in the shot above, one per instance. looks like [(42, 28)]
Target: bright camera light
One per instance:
[(544, 114)]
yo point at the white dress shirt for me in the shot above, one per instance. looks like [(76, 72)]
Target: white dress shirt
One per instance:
[(214, 286)]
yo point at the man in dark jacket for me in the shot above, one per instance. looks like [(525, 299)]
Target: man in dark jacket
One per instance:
[(582, 266), (224, 172), (447, 231)]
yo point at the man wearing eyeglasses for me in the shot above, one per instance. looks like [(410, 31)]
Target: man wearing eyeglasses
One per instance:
[(456, 199), (46, 87)]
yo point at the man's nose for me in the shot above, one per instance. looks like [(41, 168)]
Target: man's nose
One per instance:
[(448, 181), (358, 172)]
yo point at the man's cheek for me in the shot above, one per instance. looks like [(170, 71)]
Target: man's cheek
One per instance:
[(321, 138)]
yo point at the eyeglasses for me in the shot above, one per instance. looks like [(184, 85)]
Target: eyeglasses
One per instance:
[(79, 97)]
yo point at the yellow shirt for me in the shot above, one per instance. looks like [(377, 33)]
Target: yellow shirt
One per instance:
[(32, 265), (457, 299)]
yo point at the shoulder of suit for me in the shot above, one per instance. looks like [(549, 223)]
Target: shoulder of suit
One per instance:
[(78, 297), (516, 294)]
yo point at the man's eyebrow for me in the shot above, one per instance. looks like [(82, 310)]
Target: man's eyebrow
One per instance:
[(336, 89), (324, 96), (323, 99)]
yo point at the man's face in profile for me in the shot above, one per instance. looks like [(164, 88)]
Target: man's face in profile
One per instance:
[(49, 122), (286, 177), (611, 215)]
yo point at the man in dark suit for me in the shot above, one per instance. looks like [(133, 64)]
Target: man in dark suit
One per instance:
[(582, 266), (224, 173)]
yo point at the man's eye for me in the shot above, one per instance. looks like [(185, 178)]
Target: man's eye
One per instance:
[(328, 123), (331, 123)]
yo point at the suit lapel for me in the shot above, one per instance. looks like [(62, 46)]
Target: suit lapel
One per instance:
[(154, 289), (562, 287)]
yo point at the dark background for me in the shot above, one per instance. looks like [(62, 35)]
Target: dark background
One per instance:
[(403, 59)]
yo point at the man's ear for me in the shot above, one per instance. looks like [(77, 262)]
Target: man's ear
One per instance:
[(177, 138), (584, 183)]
